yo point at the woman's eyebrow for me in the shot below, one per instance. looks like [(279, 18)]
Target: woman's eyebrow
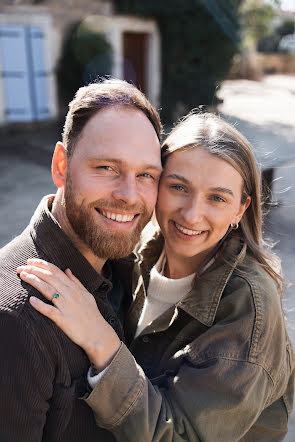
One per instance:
[(222, 190), (175, 176)]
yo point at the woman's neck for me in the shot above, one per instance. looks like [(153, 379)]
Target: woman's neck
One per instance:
[(179, 268)]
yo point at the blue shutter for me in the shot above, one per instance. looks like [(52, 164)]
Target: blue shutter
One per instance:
[(15, 73), (23, 72), (39, 75)]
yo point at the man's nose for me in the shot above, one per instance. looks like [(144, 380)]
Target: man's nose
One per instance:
[(127, 190)]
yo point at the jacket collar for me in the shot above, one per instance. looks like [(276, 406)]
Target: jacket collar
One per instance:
[(203, 300)]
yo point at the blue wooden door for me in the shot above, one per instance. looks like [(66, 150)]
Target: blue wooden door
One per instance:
[(23, 73)]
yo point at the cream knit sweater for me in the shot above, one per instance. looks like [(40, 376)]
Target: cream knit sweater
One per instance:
[(162, 293)]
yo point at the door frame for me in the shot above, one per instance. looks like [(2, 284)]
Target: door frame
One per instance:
[(114, 27)]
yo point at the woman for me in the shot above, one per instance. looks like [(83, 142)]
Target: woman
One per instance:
[(214, 361)]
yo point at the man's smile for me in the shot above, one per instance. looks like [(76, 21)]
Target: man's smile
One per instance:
[(121, 218)]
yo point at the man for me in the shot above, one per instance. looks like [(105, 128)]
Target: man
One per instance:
[(106, 170)]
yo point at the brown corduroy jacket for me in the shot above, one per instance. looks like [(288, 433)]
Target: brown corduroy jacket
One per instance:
[(43, 373), (217, 366)]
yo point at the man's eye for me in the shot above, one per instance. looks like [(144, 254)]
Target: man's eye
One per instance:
[(105, 168), (147, 175)]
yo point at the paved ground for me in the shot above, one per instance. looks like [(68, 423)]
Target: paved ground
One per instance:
[(263, 111)]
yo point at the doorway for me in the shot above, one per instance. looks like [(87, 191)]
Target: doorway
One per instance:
[(135, 46)]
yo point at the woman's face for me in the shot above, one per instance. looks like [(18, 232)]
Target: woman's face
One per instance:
[(199, 197)]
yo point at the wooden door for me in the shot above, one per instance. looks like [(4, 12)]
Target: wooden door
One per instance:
[(135, 56)]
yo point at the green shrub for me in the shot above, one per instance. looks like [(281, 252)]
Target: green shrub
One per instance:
[(86, 55), (199, 39)]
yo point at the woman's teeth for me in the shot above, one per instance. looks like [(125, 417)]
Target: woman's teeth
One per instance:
[(188, 231), (117, 217)]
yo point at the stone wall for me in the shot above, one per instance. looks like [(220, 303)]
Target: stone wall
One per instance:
[(253, 65), (63, 12), (277, 63)]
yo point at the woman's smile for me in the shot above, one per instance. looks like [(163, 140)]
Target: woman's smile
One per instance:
[(187, 233)]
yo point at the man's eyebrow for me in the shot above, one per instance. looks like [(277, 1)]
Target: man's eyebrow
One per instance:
[(222, 190), (120, 162)]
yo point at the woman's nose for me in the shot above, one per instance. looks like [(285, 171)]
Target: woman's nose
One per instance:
[(193, 212)]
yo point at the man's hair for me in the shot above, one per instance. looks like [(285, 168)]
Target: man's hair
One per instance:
[(96, 96)]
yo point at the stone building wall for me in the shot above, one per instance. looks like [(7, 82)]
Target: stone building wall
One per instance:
[(63, 12), (54, 17)]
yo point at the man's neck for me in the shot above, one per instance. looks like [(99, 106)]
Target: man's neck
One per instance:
[(59, 213)]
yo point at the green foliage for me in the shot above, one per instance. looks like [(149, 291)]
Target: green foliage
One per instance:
[(256, 19), (199, 39), (270, 43), (287, 27), (86, 55)]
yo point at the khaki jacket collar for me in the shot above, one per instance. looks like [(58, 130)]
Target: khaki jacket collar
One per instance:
[(203, 300)]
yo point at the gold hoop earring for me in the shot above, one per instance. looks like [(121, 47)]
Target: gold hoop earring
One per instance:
[(234, 226)]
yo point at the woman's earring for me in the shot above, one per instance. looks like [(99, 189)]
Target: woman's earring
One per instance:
[(234, 226)]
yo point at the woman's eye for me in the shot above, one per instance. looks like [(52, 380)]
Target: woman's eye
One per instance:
[(218, 199), (178, 187)]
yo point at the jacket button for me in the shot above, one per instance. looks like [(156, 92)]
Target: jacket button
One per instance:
[(103, 287), (112, 321), (145, 339)]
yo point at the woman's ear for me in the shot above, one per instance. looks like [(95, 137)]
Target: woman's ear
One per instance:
[(59, 164), (243, 209)]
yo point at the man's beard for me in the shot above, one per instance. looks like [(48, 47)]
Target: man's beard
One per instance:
[(101, 240)]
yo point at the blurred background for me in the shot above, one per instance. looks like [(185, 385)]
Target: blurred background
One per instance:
[(233, 57)]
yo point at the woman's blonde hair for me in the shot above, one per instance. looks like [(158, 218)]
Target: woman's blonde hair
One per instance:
[(219, 138)]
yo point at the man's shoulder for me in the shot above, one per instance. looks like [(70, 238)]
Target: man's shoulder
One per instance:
[(13, 291)]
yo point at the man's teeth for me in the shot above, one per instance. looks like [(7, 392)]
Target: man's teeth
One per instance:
[(118, 217), (188, 231)]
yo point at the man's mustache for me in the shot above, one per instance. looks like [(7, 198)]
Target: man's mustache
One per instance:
[(120, 206)]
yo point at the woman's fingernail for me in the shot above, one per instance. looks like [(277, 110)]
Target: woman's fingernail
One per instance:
[(23, 273), (33, 300)]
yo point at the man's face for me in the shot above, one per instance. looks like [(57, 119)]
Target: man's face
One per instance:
[(112, 181)]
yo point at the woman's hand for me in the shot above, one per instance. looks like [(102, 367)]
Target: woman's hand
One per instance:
[(74, 310)]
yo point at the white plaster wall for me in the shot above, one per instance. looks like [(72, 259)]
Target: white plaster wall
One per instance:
[(113, 28)]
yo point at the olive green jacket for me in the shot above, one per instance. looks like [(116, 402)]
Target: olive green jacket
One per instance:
[(218, 366)]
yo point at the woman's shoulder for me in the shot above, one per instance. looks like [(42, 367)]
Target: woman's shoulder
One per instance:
[(255, 295), (251, 276)]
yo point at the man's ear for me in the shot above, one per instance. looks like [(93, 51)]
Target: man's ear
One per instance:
[(59, 165)]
